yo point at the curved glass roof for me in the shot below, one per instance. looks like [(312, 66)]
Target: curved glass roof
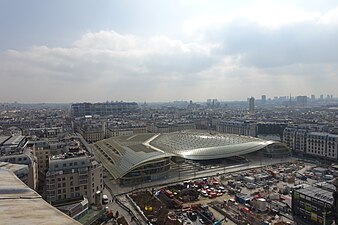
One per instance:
[(123, 154), (200, 145)]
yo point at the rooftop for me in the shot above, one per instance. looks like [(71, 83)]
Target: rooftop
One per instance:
[(3, 139), (123, 153), (318, 193), (16, 198)]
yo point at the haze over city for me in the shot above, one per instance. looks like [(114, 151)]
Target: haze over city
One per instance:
[(74, 51)]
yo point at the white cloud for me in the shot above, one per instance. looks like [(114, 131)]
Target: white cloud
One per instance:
[(229, 57), (268, 14)]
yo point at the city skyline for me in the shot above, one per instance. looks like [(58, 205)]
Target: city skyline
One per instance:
[(62, 52)]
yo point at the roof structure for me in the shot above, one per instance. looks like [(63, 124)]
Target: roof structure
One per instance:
[(318, 193), (122, 154), (21, 205), (203, 145)]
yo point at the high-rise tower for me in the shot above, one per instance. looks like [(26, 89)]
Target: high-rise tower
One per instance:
[(252, 105)]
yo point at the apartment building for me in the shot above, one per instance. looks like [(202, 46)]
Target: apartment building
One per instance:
[(246, 128), (71, 176), (42, 151), (322, 144), (306, 142), (92, 132), (125, 130)]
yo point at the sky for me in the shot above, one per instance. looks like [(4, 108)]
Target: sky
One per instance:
[(74, 51)]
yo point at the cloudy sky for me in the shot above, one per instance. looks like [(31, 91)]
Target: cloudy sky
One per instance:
[(151, 50)]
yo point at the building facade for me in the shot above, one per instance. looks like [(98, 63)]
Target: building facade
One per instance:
[(323, 145), (246, 128), (72, 178), (306, 142), (312, 205)]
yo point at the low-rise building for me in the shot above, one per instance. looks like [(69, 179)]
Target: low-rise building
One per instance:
[(92, 132), (312, 205)]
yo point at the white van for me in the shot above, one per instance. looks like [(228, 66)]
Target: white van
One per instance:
[(105, 199)]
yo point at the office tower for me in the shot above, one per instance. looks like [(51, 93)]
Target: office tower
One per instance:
[(263, 99), (252, 105), (313, 97)]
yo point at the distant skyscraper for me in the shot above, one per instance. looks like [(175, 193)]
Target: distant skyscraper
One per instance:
[(321, 97), (301, 100), (263, 99), (313, 97), (252, 105)]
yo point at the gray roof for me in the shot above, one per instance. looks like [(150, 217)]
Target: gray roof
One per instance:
[(21, 205), (3, 139), (318, 193)]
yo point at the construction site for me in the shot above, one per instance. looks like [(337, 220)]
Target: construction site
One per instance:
[(258, 196)]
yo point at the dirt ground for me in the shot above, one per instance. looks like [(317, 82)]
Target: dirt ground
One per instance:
[(153, 208)]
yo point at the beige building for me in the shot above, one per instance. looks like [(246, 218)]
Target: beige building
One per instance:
[(72, 177), (238, 127), (322, 144), (42, 152), (172, 127), (92, 133), (126, 130)]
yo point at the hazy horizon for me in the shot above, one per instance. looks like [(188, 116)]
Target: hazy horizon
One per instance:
[(161, 51)]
